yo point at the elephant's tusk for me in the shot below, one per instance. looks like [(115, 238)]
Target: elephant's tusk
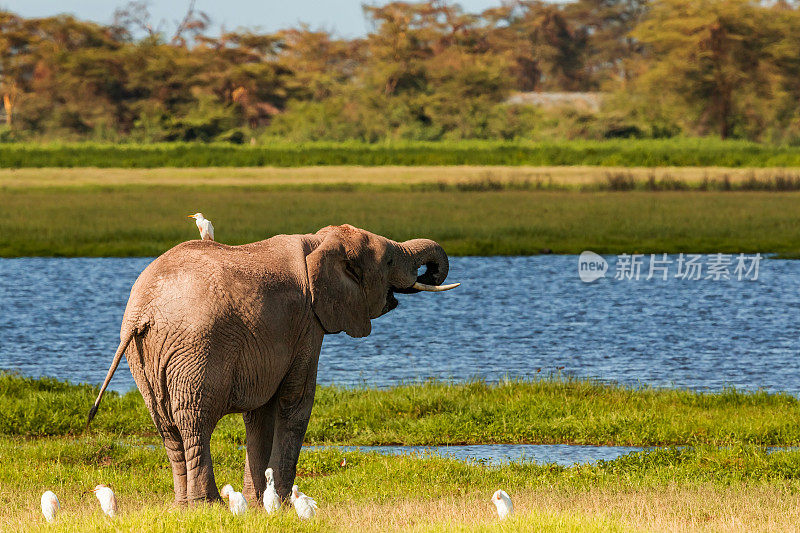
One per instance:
[(434, 288)]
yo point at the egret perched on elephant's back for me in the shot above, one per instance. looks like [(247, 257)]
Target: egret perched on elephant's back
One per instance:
[(204, 225)]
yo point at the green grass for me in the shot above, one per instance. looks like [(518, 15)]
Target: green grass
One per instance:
[(469, 210), (146, 221), (549, 411), (721, 477), (373, 492), (643, 153)]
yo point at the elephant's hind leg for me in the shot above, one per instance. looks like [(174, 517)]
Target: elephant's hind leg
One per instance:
[(196, 437), (177, 459)]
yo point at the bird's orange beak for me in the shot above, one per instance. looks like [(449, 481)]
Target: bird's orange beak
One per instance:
[(189, 216)]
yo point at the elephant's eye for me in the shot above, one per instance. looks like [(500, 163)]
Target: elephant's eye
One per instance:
[(352, 271)]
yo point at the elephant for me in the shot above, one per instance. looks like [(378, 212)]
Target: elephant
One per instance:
[(211, 329)]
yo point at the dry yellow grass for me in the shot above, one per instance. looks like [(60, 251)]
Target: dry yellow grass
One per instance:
[(575, 176), (675, 509), (471, 512), (671, 509), (699, 488)]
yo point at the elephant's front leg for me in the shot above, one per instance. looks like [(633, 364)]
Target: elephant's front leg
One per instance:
[(295, 399), (259, 427), (291, 423)]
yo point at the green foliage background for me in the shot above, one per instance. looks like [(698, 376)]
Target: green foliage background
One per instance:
[(426, 71)]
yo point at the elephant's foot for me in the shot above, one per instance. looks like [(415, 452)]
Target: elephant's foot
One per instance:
[(251, 498), (211, 498), (180, 501)]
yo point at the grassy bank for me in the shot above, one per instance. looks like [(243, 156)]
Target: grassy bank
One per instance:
[(550, 411), (628, 152), (701, 488), (470, 210), (147, 220), (737, 486), (409, 179)]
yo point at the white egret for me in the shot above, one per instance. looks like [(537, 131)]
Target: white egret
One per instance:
[(305, 506), (108, 503), (50, 505), (502, 501), (272, 501), (236, 502), (204, 225)]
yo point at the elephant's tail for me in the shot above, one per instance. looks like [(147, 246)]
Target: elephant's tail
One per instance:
[(114, 364)]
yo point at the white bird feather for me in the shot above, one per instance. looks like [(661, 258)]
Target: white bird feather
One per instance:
[(204, 225), (305, 506), (502, 501), (272, 501), (108, 502), (50, 506), (236, 502)]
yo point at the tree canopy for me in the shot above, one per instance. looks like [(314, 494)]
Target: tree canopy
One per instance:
[(426, 70)]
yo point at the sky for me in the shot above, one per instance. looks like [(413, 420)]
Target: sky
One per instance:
[(344, 17)]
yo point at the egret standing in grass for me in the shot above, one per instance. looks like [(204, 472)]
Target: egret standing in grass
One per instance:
[(305, 506), (271, 500), (50, 506), (108, 503), (502, 501), (204, 225), (236, 502)]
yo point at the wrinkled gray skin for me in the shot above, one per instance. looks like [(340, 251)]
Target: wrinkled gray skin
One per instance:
[(216, 329)]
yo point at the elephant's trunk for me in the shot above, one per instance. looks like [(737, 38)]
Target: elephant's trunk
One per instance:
[(427, 253)]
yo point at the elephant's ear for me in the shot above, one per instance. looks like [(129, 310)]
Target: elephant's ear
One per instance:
[(337, 296)]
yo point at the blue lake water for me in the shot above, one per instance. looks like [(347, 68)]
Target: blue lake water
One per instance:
[(499, 454), (512, 316)]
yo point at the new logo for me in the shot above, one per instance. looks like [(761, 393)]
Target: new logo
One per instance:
[(591, 267)]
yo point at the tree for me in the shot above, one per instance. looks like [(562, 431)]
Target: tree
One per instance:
[(59, 68), (545, 48), (16, 66), (611, 50), (710, 56), (784, 114), (319, 64)]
